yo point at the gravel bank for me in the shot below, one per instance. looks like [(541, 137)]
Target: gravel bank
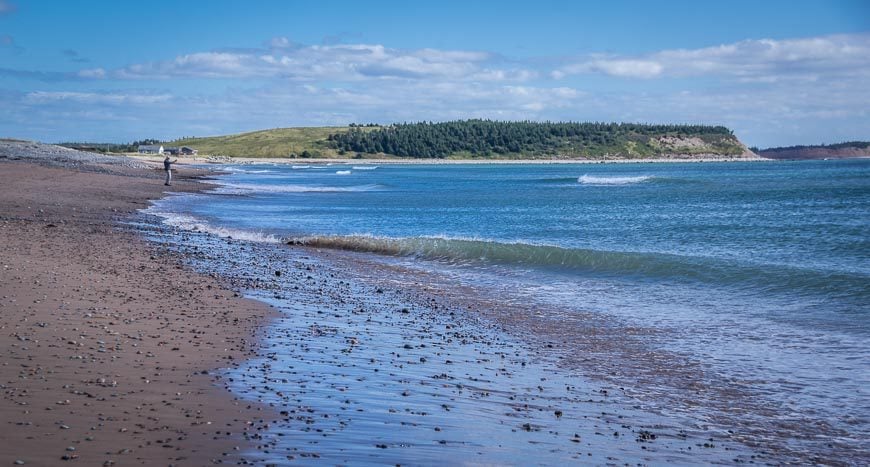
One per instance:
[(57, 156)]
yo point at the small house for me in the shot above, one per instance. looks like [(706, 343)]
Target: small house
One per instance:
[(150, 149)]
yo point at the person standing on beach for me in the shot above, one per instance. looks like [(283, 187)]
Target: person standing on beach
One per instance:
[(167, 166)]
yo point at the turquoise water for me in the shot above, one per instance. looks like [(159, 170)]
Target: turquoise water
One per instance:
[(758, 272), (781, 230)]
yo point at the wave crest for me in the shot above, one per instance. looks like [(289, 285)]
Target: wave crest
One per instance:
[(645, 265), (193, 224), (593, 180)]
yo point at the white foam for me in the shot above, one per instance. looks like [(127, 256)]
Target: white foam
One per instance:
[(592, 180), (342, 172), (365, 167), (297, 167), (370, 237), (245, 171), (190, 223), (227, 188)]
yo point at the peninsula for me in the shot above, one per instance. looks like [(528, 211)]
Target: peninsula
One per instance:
[(481, 140)]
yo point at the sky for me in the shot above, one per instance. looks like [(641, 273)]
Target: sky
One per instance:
[(778, 73)]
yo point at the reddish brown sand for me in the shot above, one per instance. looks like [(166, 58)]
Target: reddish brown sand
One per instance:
[(107, 346)]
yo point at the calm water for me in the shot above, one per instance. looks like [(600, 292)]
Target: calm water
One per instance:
[(758, 273)]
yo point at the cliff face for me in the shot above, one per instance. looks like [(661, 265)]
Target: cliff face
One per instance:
[(817, 152), (691, 147)]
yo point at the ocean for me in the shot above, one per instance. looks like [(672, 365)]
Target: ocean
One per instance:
[(723, 301)]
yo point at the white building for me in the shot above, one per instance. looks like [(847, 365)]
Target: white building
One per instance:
[(150, 149)]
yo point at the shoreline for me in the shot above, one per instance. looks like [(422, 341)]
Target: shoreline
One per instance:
[(372, 362), (110, 345)]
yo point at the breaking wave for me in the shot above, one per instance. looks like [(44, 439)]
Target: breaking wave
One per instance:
[(193, 224), (593, 180), (641, 265), (245, 171)]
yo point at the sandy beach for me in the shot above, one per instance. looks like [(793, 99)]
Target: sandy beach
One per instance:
[(109, 344)]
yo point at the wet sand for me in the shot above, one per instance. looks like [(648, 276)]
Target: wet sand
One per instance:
[(110, 345), (372, 364)]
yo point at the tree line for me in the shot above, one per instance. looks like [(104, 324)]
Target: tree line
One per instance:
[(110, 147), (488, 137)]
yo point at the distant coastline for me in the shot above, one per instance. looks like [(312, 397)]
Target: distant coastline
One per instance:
[(847, 150), (406, 161), (24, 150)]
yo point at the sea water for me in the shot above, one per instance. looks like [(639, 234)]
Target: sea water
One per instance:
[(742, 288)]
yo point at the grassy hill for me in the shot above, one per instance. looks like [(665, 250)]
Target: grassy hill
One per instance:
[(478, 139), (279, 142)]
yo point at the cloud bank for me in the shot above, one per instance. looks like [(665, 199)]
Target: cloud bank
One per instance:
[(771, 92), (287, 60), (752, 60)]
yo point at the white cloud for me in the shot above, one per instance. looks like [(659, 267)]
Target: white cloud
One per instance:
[(750, 61), (94, 73), (343, 62), (758, 60), (197, 65), (628, 68), (43, 97), (280, 43)]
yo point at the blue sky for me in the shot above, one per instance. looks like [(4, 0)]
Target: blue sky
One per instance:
[(778, 73)]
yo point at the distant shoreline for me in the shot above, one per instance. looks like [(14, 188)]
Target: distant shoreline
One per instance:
[(287, 161)]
